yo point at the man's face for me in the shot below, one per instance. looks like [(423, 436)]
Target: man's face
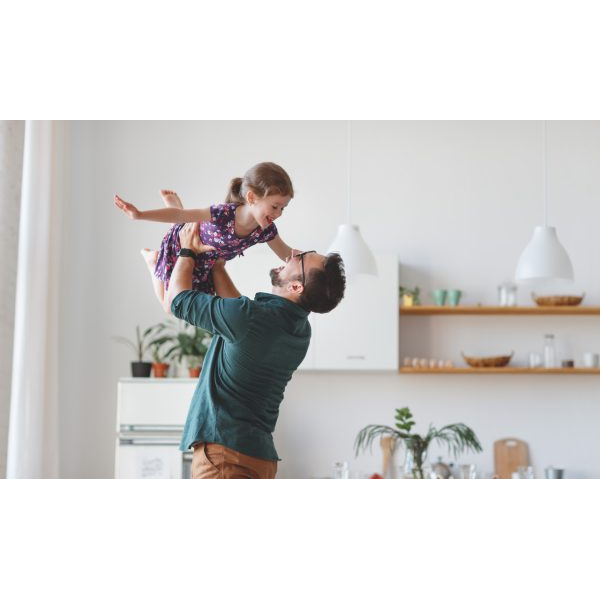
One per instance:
[(294, 268)]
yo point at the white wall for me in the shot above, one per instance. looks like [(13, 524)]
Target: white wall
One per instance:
[(457, 201)]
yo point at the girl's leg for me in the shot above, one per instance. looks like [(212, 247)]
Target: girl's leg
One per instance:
[(150, 257), (171, 199)]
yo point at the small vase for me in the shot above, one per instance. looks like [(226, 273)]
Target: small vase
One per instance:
[(194, 371)]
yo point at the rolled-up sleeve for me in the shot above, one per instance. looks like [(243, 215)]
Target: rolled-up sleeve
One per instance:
[(227, 317)]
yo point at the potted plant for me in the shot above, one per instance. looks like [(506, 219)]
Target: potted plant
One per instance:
[(142, 344), (410, 297), (457, 437), (160, 353), (191, 345)]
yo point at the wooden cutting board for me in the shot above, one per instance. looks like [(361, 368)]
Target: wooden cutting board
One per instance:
[(388, 445), (509, 454)]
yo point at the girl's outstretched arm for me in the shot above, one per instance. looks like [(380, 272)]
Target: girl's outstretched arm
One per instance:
[(163, 215), (281, 248)]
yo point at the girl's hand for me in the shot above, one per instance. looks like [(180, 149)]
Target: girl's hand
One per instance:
[(189, 238), (129, 209)]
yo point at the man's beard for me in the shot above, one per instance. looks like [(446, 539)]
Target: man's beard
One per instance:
[(275, 279)]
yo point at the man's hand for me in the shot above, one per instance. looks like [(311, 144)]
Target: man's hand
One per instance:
[(129, 209), (189, 238)]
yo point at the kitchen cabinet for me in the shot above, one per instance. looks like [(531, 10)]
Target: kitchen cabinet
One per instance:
[(150, 418), (361, 334), (501, 311)]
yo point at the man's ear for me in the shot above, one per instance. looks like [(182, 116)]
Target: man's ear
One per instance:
[(295, 287)]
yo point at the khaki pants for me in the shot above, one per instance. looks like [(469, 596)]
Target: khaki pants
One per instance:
[(214, 461)]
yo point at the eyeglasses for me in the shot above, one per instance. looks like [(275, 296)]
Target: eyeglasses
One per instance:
[(301, 256)]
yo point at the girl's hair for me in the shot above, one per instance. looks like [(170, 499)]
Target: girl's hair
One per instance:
[(264, 179)]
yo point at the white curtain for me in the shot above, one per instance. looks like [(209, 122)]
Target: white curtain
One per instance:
[(12, 135), (33, 426)]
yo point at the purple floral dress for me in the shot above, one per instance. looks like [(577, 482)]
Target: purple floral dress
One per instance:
[(219, 232)]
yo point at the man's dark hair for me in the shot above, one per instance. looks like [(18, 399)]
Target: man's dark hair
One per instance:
[(324, 288)]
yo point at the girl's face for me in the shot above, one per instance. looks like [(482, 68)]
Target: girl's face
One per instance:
[(268, 209)]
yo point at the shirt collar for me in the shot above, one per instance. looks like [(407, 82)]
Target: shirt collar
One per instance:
[(293, 307)]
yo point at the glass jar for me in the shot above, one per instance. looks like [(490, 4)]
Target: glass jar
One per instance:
[(340, 470), (549, 351), (414, 467), (507, 294)]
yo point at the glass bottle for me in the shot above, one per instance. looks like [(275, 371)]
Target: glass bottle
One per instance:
[(507, 294), (549, 351), (340, 470)]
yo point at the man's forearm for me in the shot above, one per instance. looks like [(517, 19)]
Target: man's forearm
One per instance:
[(224, 286), (181, 278)]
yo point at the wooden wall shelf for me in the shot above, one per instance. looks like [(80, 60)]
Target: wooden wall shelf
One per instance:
[(499, 371), (499, 310)]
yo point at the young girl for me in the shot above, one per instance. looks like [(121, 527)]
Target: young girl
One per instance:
[(252, 205)]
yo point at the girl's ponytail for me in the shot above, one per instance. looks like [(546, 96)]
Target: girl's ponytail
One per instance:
[(234, 195), (264, 179)]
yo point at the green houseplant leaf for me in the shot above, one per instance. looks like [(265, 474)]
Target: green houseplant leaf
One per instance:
[(142, 342), (457, 437)]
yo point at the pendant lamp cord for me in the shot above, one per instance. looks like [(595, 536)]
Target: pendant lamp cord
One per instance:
[(544, 176), (349, 145)]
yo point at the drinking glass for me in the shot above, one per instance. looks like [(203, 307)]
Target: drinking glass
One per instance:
[(525, 472), (467, 471), (535, 360), (507, 294), (340, 470)]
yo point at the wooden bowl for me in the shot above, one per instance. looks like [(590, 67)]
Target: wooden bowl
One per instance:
[(487, 361), (557, 300)]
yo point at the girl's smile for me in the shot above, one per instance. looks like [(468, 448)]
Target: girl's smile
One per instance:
[(268, 209)]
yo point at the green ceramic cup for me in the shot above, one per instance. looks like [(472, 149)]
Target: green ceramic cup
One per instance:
[(454, 297), (439, 297)]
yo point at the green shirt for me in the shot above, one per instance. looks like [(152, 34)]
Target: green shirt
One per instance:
[(257, 345)]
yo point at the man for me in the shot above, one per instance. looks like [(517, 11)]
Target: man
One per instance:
[(257, 346)]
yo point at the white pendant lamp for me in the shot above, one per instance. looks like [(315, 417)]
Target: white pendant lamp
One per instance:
[(544, 257), (349, 243)]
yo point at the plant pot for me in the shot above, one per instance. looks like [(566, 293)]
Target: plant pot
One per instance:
[(407, 300), (141, 369), (194, 364), (160, 369)]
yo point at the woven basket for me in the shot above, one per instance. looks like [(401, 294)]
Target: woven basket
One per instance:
[(487, 361), (557, 300)]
